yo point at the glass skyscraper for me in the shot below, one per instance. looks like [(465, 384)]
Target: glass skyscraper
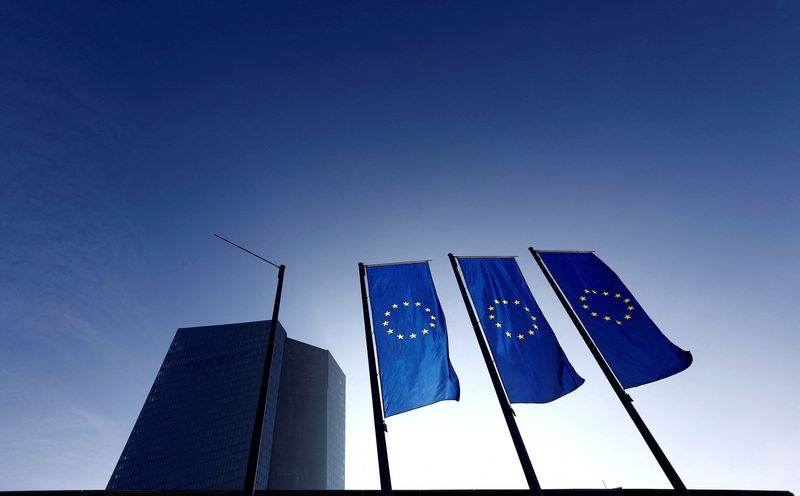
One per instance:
[(195, 426)]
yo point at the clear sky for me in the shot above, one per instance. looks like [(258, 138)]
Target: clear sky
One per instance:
[(664, 135)]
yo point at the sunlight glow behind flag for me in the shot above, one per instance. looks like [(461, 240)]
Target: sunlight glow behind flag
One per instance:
[(630, 342), (530, 361), (410, 338)]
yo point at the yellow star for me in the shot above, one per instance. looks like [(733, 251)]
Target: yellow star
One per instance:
[(400, 336), (586, 306), (385, 322), (496, 302), (527, 309), (533, 317), (424, 331), (390, 331), (520, 336), (627, 300), (491, 308), (433, 317), (535, 326), (491, 317), (531, 333), (606, 318), (387, 314), (630, 308), (585, 290), (605, 293), (618, 322), (394, 305), (508, 334), (505, 302), (413, 336), (594, 314), (432, 324), (583, 298), (516, 302), (617, 295), (594, 292), (627, 317), (405, 303), (416, 304), (498, 325), (427, 309)]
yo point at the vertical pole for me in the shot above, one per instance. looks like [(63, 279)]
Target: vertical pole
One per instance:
[(377, 410), (508, 414), (624, 398), (258, 425)]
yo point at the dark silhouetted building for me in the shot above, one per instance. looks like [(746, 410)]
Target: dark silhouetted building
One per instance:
[(194, 429)]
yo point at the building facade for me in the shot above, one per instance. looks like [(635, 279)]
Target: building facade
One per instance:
[(194, 429)]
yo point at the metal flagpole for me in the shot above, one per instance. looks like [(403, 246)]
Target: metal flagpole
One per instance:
[(508, 413), (377, 409), (624, 397), (258, 424)]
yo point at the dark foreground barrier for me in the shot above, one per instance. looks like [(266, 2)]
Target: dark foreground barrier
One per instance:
[(414, 492)]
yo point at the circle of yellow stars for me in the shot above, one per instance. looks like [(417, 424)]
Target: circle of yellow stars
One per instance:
[(508, 333), (411, 334), (626, 301)]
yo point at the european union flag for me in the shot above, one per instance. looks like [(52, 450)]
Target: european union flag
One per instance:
[(410, 338), (530, 361), (630, 342)]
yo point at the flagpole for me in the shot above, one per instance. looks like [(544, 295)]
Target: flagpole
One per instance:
[(258, 424), (377, 410), (508, 413), (624, 398)]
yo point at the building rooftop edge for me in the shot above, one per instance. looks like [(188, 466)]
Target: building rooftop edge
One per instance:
[(229, 324), (264, 322)]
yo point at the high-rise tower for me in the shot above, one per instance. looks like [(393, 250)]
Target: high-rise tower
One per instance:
[(194, 429)]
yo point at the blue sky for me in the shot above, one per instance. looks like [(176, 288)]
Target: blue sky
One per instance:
[(320, 134)]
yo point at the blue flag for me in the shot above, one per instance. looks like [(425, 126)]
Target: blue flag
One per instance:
[(410, 338), (530, 361), (630, 342)]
